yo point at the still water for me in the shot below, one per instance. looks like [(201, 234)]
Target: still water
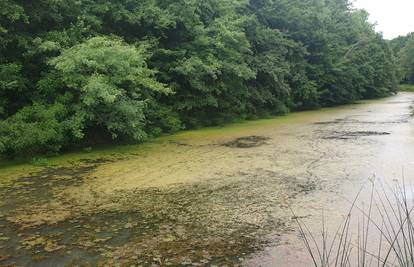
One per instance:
[(217, 196)]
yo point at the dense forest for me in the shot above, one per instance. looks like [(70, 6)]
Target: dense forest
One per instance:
[(403, 48), (77, 72)]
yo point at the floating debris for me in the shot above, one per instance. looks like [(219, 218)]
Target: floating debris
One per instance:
[(247, 142)]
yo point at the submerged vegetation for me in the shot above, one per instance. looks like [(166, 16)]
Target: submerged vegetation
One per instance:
[(77, 73)]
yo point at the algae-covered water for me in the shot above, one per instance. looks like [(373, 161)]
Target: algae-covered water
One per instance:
[(218, 196)]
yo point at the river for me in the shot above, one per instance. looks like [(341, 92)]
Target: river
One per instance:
[(217, 196)]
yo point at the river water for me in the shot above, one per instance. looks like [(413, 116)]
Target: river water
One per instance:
[(219, 196)]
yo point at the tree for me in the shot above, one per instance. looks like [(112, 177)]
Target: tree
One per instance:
[(406, 58), (104, 84), (123, 70), (110, 83)]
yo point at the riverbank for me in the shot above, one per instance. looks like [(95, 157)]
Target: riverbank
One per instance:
[(17, 167), (212, 196), (407, 88)]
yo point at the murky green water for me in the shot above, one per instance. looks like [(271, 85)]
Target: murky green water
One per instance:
[(211, 197)]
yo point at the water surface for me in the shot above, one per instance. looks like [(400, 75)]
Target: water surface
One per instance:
[(210, 197)]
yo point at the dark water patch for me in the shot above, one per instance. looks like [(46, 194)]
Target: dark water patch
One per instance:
[(353, 121), (165, 233), (199, 250), (96, 161), (39, 187), (353, 135), (308, 187), (33, 219), (247, 142), (80, 239), (337, 121), (207, 224), (210, 223), (179, 143), (399, 102)]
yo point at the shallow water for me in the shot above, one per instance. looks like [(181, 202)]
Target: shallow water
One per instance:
[(210, 197)]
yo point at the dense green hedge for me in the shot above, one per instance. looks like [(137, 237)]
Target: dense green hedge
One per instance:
[(126, 70)]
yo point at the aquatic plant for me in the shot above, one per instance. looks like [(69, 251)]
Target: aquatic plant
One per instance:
[(391, 229)]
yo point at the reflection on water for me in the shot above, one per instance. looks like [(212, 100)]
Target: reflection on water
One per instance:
[(210, 197)]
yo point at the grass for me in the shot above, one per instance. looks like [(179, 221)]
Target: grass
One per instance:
[(406, 88), (393, 231)]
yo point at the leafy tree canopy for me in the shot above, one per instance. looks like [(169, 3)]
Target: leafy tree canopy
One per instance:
[(76, 72)]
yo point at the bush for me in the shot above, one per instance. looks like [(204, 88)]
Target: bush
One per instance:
[(34, 129), (113, 82)]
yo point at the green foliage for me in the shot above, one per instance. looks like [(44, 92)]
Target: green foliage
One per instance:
[(112, 84), (397, 44), (12, 84), (74, 72), (39, 161), (10, 12), (406, 88), (406, 59), (33, 130)]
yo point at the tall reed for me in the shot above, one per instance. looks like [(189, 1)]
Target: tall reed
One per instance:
[(387, 220)]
